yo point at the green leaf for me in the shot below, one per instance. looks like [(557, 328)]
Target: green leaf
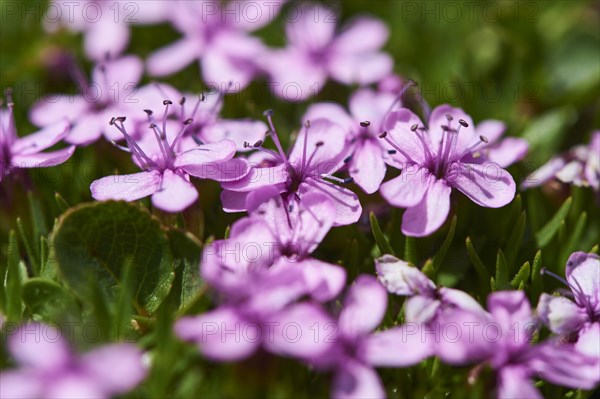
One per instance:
[(62, 204), (410, 250), (382, 242), (574, 238), (512, 247), (125, 299), (93, 240), (522, 276), (476, 261), (31, 255), (546, 233), (501, 271), (536, 276), (544, 133), (428, 269), (441, 253), (48, 301), (37, 216), (14, 289)]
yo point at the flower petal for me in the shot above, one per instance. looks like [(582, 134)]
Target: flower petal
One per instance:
[(174, 57), (397, 347), (326, 140), (105, 37), (515, 383), (39, 346), (43, 159), (400, 278), (372, 106), (56, 107), (508, 151), (233, 201), (364, 307), (238, 131), (561, 315), (126, 187), (487, 185), (42, 139), (347, 206), (361, 35), (354, 380), (258, 177), (429, 214), (367, 167), (175, 193), (333, 112), (583, 275), (408, 189)]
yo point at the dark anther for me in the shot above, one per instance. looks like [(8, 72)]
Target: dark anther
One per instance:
[(268, 112), (121, 118), (246, 144), (167, 102), (149, 112), (348, 159), (202, 97), (182, 101), (112, 121), (188, 121), (392, 152), (365, 124), (152, 126), (319, 144), (449, 117), (483, 138), (258, 143), (383, 135), (348, 180), (463, 123), (414, 127), (307, 124)]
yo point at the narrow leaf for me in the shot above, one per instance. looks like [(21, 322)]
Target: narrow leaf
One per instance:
[(438, 259), (476, 261), (512, 247), (522, 275), (574, 238), (14, 289), (31, 255), (410, 250), (536, 276), (62, 204), (546, 233), (501, 271), (380, 240)]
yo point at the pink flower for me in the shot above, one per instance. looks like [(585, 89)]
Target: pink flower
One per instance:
[(26, 152), (579, 166), (112, 91), (48, 368), (217, 36), (315, 52), (105, 24), (434, 160), (363, 125), (319, 151), (166, 171)]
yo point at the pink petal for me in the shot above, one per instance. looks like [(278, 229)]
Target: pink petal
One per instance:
[(508, 151), (400, 278), (364, 307), (360, 68), (397, 347), (126, 187), (362, 35), (42, 139), (467, 135), (583, 274), (57, 107), (487, 185), (259, 177), (461, 300), (39, 346), (238, 131), (231, 170), (347, 206), (328, 153), (74, 386), (233, 201), (490, 129), (398, 125), (88, 129), (117, 368), (429, 214), (303, 331), (175, 193), (174, 57), (561, 315), (218, 334), (588, 342), (508, 308), (106, 37), (325, 281), (421, 309), (314, 28), (203, 159), (17, 384), (117, 79), (357, 381), (367, 166), (515, 383), (408, 189), (43, 159), (545, 173), (293, 76), (332, 111), (369, 105)]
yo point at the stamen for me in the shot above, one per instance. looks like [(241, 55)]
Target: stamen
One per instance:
[(269, 114), (543, 271), (482, 140), (144, 161), (410, 83), (336, 179), (348, 159), (306, 165), (384, 136), (365, 124), (186, 123)]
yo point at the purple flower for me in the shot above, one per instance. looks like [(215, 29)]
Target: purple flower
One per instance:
[(104, 23), (315, 52), (112, 91), (261, 270), (580, 316), (426, 302), (502, 341), (579, 166), (166, 171), (319, 151), (363, 125), (26, 152), (48, 368), (217, 36), (352, 347), (434, 160)]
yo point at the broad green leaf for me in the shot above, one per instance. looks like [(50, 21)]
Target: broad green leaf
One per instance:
[(476, 261), (14, 290), (48, 301), (382, 242), (512, 247), (441, 253), (546, 233), (501, 271), (93, 240), (522, 276)]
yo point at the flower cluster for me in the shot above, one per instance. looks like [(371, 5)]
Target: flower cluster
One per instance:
[(269, 290)]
